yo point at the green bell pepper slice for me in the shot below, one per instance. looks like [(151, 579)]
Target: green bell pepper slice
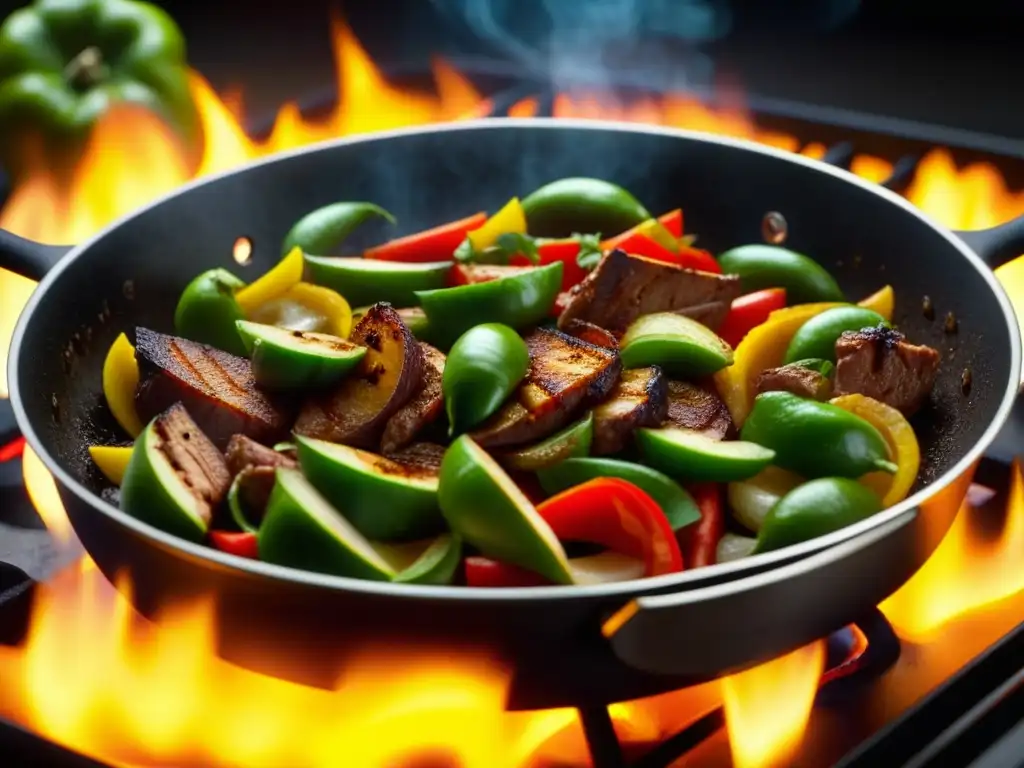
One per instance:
[(816, 439), (63, 63), (519, 301)]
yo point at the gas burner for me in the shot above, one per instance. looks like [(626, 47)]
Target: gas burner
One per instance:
[(856, 655)]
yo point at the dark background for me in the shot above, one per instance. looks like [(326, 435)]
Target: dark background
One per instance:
[(952, 63)]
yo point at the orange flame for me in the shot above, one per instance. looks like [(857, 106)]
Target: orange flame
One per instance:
[(156, 694)]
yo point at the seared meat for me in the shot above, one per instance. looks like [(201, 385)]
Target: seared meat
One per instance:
[(389, 373), (254, 466), (640, 399), (216, 388), (801, 381), (623, 287), (424, 457), (244, 452), (879, 363), (565, 374), (592, 334), (698, 409), (195, 459), (424, 407)]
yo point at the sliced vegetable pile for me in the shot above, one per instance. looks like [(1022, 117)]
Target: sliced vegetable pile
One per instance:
[(515, 401)]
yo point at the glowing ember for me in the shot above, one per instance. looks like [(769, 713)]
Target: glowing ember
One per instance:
[(156, 694)]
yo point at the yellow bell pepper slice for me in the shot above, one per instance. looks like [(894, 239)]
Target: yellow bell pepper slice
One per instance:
[(509, 219), (277, 281), (883, 301), (325, 302), (112, 460), (764, 347), (120, 378), (903, 445)]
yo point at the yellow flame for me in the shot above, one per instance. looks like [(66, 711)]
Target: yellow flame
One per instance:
[(767, 707), (965, 573)]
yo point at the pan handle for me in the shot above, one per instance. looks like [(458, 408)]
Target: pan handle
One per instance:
[(27, 257), (691, 632), (997, 245)]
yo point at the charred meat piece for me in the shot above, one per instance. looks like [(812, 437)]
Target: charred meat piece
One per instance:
[(699, 409), (216, 388), (801, 381), (640, 399), (389, 373), (879, 363), (424, 407), (194, 458), (565, 374), (254, 466), (424, 457), (623, 287), (592, 334)]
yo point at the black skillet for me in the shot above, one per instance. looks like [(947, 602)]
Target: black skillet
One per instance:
[(667, 631)]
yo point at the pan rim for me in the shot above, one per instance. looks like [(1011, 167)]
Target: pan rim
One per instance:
[(751, 568)]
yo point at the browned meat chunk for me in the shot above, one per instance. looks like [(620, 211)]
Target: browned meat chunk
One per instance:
[(801, 381), (423, 457), (424, 407), (592, 334), (254, 466), (565, 374), (623, 287), (640, 399), (878, 363), (389, 373), (195, 459), (698, 409), (216, 388)]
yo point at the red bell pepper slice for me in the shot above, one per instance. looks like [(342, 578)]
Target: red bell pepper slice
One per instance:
[(470, 274), (549, 252), (699, 542), (748, 312), (243, 544), (12, 450), (695, 258), (484, 572), (688, 258), (618, 515), (437, 244)]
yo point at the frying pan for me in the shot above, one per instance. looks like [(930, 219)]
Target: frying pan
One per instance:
[(565, 645)]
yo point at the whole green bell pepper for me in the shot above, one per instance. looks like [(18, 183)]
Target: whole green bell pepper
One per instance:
[(816, 439), (815, 509), (484, 365), (817, 337), (581, 204), (207, 311), (63, 63)]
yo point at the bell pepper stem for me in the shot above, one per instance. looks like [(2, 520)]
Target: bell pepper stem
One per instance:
[(86, 69), (886, 466)]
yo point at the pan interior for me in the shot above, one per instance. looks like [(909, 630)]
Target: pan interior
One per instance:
[(133, 275)]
